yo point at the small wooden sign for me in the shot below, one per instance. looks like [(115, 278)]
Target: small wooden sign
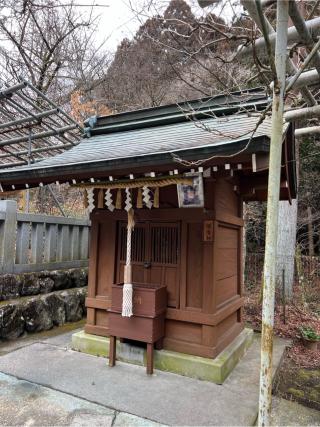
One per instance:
[(208, 231), (137, 300)]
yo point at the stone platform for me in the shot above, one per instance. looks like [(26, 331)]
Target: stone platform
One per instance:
[(214, 370)]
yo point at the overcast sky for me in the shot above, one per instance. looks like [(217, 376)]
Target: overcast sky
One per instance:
[(118, 20)]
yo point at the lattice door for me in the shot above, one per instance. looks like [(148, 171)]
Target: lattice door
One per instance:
[(155, 256)]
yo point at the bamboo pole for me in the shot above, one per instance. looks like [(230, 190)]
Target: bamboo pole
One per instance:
[(301, 79), (302, 113), (304, 33), (40, 135), (36, 150), (293, 36), (292, 69), (308, 76), (269, 280), (307, 131), (31, 118)]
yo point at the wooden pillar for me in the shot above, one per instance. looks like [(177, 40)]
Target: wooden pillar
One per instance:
[(149, 358), (8, 229), (112, 350)]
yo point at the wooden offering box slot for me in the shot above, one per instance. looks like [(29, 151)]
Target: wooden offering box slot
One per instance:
[(149, 300), (147, 322)]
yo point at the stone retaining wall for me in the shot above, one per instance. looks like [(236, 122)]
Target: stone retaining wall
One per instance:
[(41, 313), (20, 285), (36, 302)]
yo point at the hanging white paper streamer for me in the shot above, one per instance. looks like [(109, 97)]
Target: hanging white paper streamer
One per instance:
[(128, 201), (90, 199), (146, 197), (108, 200)]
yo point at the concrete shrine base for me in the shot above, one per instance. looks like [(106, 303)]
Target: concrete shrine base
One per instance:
[(215, 370)]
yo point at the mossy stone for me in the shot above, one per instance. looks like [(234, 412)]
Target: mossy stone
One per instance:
[(296, 393)]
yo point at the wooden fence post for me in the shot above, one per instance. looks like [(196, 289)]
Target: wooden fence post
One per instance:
[(8, 230)]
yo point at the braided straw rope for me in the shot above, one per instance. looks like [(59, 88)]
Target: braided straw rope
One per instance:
[(137, 183), (130, 228), (127, 287)]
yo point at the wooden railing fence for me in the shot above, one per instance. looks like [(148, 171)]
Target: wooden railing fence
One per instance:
[(308, 269), (30, 242)]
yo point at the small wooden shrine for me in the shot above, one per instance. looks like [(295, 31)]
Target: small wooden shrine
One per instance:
[(185, 171)]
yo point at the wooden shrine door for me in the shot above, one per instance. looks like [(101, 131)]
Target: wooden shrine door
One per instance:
[(155, 255)]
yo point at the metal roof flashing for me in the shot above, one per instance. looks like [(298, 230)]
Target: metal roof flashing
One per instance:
[(153, 141), (161, 139), (233, 98)]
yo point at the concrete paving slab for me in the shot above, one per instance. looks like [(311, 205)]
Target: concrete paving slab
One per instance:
[(134, 398), (246, 375), (25, 403), (63, 340), (127, 420), (165, 398)]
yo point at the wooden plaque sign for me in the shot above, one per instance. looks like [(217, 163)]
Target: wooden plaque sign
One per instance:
[(208, 231)]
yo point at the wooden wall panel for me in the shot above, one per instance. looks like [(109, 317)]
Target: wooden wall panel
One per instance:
[(168, 197), (194, 288), (101, 273), (171, 277), (209, 188), (209, 335), (226, 289), (106, 257), (226, 200), (102, 318), (208, 267), (227, 263), (227, 237), (183, 331), (227, 324), (93, 258)]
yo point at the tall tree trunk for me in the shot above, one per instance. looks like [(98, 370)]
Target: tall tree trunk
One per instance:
[(244, 243), (310, 232), (270, 258), (287, 226)]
